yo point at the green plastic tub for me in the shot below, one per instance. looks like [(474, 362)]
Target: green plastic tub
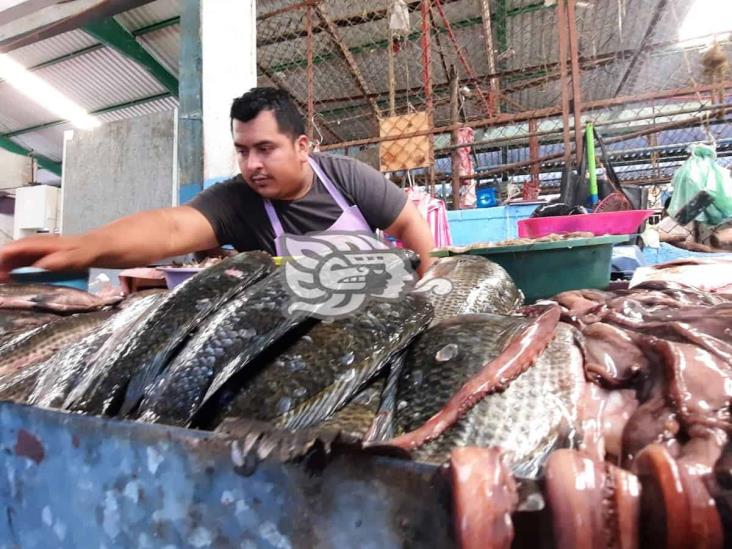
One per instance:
[(544, 269)]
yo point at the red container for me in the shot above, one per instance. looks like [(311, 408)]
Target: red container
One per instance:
[(599, 224)]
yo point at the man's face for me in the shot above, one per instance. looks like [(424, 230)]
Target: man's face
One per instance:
[(271, 163)]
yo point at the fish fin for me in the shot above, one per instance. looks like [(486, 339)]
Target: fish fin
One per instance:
[(263, 441), (382, 427), (143, 380)]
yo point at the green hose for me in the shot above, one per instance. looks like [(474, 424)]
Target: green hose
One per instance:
[(590, 137)]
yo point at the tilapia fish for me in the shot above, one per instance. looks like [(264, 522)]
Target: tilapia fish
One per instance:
[(314, 377), (44, 341), (476, 285), (151, 342), (55, 299), (534, 415), (18, 385), (76, 365), (226, 342), (356, 418), (15, 321)]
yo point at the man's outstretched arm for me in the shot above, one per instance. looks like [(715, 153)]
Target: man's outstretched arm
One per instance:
[(134, 240)]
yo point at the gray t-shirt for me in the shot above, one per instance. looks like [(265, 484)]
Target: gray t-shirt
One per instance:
[(237, 214)]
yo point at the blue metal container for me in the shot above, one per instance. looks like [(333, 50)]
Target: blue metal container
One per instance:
[(77, 481)]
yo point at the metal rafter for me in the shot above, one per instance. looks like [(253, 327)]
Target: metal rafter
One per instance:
[(657, 12), (463, 59), (103, 110), (59, 18), (110, 32), (44, 162), (348, 56), (94, 47), (280, 83)]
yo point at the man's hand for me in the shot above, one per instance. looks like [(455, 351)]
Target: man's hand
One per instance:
[(132, 241), (54, 253), (414, 232)]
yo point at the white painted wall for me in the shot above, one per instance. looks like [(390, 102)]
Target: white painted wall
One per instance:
[(229, 51), (15, 170)]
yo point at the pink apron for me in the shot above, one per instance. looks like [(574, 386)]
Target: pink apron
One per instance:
[(351, 220)]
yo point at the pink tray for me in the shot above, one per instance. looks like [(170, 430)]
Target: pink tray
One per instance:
[(596, 223)]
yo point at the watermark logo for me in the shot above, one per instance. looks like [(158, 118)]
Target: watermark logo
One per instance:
[(334, 274)]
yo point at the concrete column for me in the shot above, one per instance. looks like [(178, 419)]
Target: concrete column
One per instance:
[(229, 47), (218, 63)]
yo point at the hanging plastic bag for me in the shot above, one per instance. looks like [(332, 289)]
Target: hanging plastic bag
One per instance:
[(399, 20), (434, 212), (702, 173)]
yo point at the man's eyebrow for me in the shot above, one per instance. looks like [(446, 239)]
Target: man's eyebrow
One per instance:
[(257, 144)]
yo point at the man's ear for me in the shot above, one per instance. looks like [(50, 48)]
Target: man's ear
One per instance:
[(302, 144)]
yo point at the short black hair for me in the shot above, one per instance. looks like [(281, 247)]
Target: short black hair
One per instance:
[(256, 100)]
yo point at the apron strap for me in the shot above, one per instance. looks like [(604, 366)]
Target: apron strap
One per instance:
[(273, 218), (337, 196), (329, 185)]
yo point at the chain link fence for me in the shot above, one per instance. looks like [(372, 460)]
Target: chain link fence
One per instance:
[(445, 93)]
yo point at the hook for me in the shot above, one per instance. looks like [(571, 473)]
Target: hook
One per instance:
[(320, 139)]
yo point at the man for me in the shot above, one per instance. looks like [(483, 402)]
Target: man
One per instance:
[(282, 189)]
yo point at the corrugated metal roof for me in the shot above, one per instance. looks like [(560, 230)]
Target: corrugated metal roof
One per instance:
[(100, 79), (151, 13), (150, 107), (164, 45), (52, 48), (48, 141)]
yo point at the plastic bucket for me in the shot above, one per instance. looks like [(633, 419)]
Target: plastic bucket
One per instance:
[(486, 197)]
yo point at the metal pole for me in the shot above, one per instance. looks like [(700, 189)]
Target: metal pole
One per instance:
[(576, 91), (190, 110), (392, 77), (310, 84), (461, 56), (532, 187), (455, 120), (426, 44), (490, 52), (427, 58), (563, 43)]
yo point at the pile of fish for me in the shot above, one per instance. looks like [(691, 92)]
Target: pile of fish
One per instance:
[(594, 419)]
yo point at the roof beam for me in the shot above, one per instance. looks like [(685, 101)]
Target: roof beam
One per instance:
[(61, 16), (94, 47), (110, 32), (43, 162), (103, 110), (15, 9)]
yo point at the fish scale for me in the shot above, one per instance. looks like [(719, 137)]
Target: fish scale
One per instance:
[(227, 342), (125, 374), (534, 415), (40, 343), (318, 373), (47, 297), (62, 372), (477, 286)]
